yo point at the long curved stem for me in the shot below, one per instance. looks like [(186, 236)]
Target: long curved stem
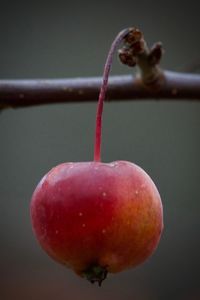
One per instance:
[(106, 72)]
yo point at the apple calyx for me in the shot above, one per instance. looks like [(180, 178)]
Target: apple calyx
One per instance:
[(95, 273)]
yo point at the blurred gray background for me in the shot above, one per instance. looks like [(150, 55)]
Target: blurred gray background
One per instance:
[(56, 39)]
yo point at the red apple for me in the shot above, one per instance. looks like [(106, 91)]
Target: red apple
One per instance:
[(91, 214), (97, 217)]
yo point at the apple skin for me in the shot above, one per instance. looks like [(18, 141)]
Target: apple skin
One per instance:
[(93, 213)]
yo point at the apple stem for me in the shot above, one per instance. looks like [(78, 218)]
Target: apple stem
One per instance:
[(107, 67)]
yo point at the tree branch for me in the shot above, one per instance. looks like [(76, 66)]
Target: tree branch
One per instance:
[(24, 93), (152, 83)]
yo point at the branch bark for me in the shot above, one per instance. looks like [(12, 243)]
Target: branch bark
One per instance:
[(25, 93)]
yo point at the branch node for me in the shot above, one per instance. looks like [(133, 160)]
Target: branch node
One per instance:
[(156, 53), (136, 52)]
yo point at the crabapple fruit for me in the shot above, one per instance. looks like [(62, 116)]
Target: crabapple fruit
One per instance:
[(96, 217)]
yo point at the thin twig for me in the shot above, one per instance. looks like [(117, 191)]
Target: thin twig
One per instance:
[(25, 93)]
